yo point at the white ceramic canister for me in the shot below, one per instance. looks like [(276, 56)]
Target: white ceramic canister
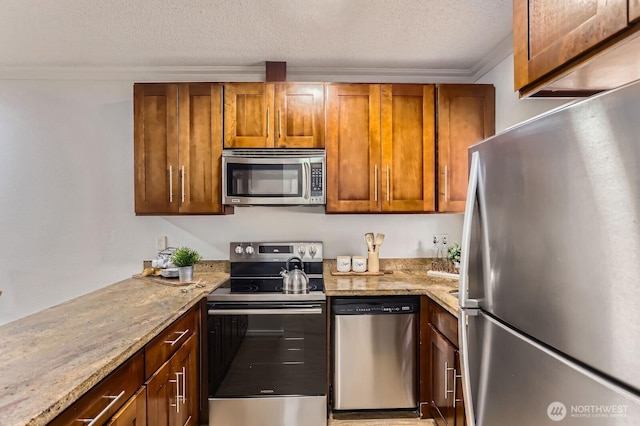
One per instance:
[(343, 263), (359, 263)]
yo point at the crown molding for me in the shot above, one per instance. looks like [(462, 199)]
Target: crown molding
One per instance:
[(496, 55), (236, 73), (257, 72)]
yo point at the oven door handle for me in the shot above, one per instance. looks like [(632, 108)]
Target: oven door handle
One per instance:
[(284, 311)]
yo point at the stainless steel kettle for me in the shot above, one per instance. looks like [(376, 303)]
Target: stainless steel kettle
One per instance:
[(294, 280)]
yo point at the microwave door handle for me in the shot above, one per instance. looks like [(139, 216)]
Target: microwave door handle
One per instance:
[(306, 178)]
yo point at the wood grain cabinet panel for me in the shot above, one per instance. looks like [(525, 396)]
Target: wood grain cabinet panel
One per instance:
[(155, 147), (178, 148), (466, 115), (380, 148), (441, 394), (408, 148), (134, 412), (549, 34), (106, 398), (299, 115), (353, 148), (172, 391), (634, 10), (200, 149), (267, 115)]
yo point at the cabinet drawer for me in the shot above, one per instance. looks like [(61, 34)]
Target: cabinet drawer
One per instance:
[(444, 322), (165, 344), (105, 398)]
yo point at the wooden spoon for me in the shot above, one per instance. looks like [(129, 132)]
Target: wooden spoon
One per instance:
[(379, 240), (368, 238)]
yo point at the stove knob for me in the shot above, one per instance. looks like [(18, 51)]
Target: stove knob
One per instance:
[(312, 250), (239, 250), (302, 250), (249, 250)]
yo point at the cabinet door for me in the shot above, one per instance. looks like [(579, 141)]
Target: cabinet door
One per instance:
[(634, 10), (408, 148), (134, 412), (299, 115), (442, 366), (200, 118), (549, 33), (155, 147), (458, 400), (185, 363), (466, 115), (353, 148), (248, 115), (162, 397)]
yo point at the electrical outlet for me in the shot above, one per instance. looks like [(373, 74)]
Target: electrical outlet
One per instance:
[(161, 242), (440, 240)]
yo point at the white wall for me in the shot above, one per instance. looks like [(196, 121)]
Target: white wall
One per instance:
[(66, 202), (510, 109)]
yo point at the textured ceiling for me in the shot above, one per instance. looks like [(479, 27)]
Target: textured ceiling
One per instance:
[(416, 34)]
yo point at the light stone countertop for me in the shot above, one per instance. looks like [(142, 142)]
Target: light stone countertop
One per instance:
[(409, 277), (51, 358)]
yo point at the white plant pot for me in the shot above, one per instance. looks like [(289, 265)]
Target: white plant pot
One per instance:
[(185, 273)]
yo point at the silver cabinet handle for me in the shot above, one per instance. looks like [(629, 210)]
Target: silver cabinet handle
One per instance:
[(267, 121), (170, 184), (456, 376), (375, 181), (446, 183), (93, 421), (184, 386), (388, 180), (279, 124), (446, 380), (173, 342), (182, 184), (178, 396)]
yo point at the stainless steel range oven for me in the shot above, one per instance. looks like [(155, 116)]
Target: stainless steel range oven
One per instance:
[(267, 350)]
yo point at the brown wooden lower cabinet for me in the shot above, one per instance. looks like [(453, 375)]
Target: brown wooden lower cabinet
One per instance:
[(134, 412), (107, 397), (440, 382), (172, 392)]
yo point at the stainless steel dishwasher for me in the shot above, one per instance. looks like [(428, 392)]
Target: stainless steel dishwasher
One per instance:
[(374, 352)]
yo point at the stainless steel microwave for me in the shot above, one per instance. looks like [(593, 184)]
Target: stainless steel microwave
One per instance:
[(274, 177)]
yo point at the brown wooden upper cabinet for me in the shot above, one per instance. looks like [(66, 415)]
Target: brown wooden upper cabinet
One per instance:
[(380, 148), (553, 38), (177, 148), (466, 115), (268, 115)]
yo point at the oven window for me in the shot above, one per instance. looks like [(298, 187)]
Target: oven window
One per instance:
[(264, 180), (269, 355)]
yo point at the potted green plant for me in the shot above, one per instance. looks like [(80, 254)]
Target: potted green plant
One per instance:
[(453, 254), (184, 258)]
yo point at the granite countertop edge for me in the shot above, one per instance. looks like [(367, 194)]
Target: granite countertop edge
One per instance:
[(19, 406)]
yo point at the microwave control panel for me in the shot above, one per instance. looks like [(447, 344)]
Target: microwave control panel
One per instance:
[(317, 183)]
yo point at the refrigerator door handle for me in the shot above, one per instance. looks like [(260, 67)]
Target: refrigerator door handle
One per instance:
[(464, 363), (472, 193)]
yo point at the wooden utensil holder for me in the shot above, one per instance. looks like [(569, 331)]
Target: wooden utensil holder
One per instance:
[(373, 261)]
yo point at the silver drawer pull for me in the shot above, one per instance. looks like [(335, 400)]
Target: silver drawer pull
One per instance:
[(173, 342), (93, 421), (178, 396)]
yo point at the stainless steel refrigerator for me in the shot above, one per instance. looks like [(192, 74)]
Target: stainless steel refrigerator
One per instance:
[(550, 273)]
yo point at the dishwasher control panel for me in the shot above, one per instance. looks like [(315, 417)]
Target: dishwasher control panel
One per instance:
[(375, 306)]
